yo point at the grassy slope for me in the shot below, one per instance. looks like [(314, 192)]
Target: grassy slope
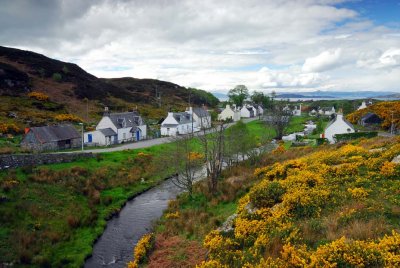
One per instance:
[(52, 214), (344, 212)]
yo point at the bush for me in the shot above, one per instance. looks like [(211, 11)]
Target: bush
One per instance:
[(57, 77), (267, 194), (355, 135)]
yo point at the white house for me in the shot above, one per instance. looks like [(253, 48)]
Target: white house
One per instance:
[(116, 128), (229, 113), (246, 112), (313, 112), (260, 110), (178, 123), (255, 112), (327, 111), (296, 110), (339, 125), (201, 116)]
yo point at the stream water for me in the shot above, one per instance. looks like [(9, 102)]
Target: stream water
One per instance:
[(115, 246)]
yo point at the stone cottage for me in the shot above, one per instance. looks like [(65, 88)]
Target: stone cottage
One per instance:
[(47, 138)]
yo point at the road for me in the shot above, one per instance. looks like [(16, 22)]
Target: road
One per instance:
[(145, 143)]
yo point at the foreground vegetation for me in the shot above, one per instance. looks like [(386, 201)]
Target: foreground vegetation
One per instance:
[(52, 214), (329, 206)]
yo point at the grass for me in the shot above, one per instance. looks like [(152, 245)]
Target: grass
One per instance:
[(52, 214), (296, 123)]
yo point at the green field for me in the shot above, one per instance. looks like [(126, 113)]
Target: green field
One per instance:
[(52, 214)]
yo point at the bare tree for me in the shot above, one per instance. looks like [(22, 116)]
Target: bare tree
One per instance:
[(278, 116), (212, 142), (184, 161)]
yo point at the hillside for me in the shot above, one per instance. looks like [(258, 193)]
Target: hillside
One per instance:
[(72, 90), (327, 206)]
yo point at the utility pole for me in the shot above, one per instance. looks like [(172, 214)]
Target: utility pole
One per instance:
[(82, 135), (392, 126), (158, 97)]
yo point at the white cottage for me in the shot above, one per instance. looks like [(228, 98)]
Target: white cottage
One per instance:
[(246, 112), (178, 123), (117, 128), (296, 110), (229, 113), (201, 116), (260, 109), (339, 125), (327, 111)]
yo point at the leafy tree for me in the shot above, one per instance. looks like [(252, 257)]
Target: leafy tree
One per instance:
[(260, 99), (238, 95)]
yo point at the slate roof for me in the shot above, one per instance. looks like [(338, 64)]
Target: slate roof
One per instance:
[(200, 112), (344, 120), (125, 120), (108, 132), (169, 125), (371, 118), (55, 133), (182, 118)]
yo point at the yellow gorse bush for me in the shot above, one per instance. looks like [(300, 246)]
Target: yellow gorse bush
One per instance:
[(67, 117), (338, 183), (142, 250), (38, 96)]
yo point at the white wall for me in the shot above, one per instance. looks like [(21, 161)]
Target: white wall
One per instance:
[(171, 131), (337, 127), (98, 138), (106, 122), (244, 112)]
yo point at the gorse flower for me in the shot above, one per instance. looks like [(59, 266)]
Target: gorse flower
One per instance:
[(325, 190)]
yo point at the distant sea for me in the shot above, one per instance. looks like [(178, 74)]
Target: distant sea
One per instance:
[(318, 99)]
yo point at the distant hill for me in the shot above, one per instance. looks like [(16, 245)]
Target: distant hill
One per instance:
[(289, 95), (73, 90)]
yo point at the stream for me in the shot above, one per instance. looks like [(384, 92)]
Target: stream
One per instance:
[(115, 246)]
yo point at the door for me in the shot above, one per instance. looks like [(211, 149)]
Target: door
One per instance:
[(137, 135), (90, 138)]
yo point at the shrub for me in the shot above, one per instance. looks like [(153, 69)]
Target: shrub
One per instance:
[(57, 77), (67, 117), (142, 250), (355, 135), (38, 96), (267, 194)]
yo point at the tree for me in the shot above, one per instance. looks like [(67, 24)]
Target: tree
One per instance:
[(212, 142), (261, 99), (236, 143), (278, 116), (184, 161), (238, 95)]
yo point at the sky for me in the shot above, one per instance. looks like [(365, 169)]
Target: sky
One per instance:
[(280, 45)]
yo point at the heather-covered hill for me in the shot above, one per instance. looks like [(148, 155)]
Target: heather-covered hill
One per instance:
[(70, 89)]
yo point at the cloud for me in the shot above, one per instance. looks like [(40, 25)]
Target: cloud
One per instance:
[(326, 60), (209, 44)]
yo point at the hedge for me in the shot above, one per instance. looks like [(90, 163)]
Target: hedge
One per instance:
[(355, 135)]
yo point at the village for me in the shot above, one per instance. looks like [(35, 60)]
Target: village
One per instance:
[(129, 127)]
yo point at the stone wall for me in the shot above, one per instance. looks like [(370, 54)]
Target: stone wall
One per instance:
[(22, 160)]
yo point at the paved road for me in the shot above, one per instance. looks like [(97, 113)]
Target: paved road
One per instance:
[(145, 143)]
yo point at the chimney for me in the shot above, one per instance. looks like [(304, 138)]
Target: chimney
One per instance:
[(106, 111), (27, 130)]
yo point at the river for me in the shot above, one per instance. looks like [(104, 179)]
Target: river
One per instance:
[(115, 246)]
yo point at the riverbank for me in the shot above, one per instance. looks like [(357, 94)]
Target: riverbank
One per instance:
[(243, 225), (51, 215)]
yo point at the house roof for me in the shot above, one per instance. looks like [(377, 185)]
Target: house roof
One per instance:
[(182, 118), (169, 125), (108, 132), (125, 120), (344, 120), (55, 133), (200, 112), (371, 117)]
